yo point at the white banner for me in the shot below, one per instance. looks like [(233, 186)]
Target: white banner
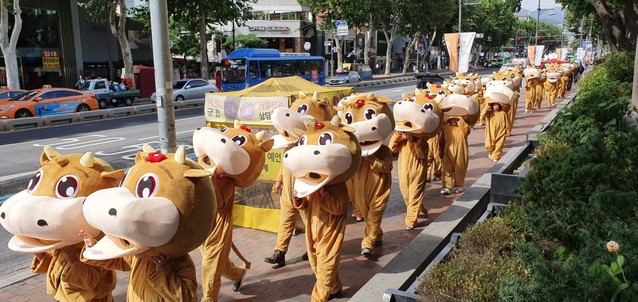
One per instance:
[(539, 55), (466, 40), (249, 110), (580, 54), (563, 54)]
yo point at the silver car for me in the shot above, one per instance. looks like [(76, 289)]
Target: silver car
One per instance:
[(190, 89), (345, 78)]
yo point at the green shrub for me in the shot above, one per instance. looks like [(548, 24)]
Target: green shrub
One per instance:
[(484, 256)]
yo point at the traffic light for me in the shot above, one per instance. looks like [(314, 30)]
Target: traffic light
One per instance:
[(518, 39), (558, 42)]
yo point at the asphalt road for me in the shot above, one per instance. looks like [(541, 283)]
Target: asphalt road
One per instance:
[(114, 140)]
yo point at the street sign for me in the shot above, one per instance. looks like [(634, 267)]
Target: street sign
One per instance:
[(306, 46), (342, 28), (327, 43), (479, 35)]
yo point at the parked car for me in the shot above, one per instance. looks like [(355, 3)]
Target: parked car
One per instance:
[(345, 78), (47, 101), (7, 94), (113, 94), (189, 89)]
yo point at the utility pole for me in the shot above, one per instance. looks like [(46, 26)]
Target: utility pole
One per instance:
[(163, 74), (538, 18)]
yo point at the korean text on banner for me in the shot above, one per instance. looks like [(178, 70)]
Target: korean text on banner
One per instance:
[(467, 39), (452, 44), (253, 111), (539, 55)]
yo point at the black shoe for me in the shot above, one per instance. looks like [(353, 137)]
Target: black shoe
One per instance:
[(304, 257), (334, 296), (366, 252), (278, 257), (237, 286), (378, 243)]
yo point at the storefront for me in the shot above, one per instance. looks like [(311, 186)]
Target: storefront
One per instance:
[(46, 48)]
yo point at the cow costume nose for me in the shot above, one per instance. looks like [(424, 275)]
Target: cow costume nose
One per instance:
[(112, 212), (42, 222)]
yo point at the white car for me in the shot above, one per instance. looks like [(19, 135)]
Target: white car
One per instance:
[(190, 89), (345, 78)]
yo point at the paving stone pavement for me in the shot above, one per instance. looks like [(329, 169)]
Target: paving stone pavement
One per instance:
[(294, 282)]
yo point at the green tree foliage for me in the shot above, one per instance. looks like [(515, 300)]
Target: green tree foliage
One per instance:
[(493, 18), (526, 29), (618, 19), (245, 41)]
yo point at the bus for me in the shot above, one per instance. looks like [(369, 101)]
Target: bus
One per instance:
[(247, 67)]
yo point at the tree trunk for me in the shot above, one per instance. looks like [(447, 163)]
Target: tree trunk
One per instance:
[(203, 51), (614, 28), (117, 20), (426, 56), (8, 45), (388, 51), (339, 47), (366, 47), (408, 52)]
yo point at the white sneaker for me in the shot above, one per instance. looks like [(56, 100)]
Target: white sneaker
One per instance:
[(495, 160), (446, 191), (458, 190), (526, 111)]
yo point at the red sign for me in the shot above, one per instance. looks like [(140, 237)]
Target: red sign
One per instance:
[(50, 59)]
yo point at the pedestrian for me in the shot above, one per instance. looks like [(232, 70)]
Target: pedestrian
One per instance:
[(455, 154), (80, 82)]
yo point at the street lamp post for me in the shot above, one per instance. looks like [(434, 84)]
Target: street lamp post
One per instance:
[(538, 17)]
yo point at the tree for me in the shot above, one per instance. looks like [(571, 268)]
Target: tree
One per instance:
[(618, 19), (117, 13), (9, 43), (246, 41), (201, 14)]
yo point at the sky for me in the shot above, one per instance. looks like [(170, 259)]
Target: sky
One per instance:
[(533, 4)]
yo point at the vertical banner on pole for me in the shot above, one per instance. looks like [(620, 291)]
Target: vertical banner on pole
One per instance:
[(467, 39), (531, 54), (563, 56), (580, 54), (559, 53), (452, 44), (539, 55)]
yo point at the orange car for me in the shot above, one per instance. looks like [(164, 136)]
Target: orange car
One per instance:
[(47, 101)]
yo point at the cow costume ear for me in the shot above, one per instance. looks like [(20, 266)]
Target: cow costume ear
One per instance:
[(117, 174)]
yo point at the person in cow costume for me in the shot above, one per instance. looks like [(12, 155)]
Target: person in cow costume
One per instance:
[(236, 157), (461, 113), (418, 118), (286, 120), (373, 122), (327, 155), (45, 219), (499, 99), (164, 208)]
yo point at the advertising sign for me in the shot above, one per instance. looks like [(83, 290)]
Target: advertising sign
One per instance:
[(342, 28), (249, 110), (53, 109), (50, 59)]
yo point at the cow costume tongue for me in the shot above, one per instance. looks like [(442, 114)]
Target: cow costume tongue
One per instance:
[(326, 154)]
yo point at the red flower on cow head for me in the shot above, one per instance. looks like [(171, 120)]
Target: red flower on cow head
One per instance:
[(245, 128), (319, 126), (155, 157), (359, 103)]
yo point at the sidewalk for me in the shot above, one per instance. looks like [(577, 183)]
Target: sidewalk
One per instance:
[(294, 282)]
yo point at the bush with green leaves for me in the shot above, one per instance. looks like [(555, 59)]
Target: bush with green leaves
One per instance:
[(485, 256)]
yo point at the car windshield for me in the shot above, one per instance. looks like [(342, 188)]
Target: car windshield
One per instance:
[(179, 84), (341, 75), (24, 96), (86, 86)]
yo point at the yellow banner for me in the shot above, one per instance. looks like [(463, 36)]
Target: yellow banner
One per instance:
[(452, 44), (531, 54)]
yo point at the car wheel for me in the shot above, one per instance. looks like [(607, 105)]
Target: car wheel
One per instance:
[(128, 101), (347, 81), (23, 113), (102, 104), (83, 108), (179, 98)]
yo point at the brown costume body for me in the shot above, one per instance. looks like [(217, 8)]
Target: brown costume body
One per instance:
[(72, 280), (324, 214), (412, 162), (495, 132), (530, 93), (455, 153)]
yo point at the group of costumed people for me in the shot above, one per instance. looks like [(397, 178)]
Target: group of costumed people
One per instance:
[(83, 220)]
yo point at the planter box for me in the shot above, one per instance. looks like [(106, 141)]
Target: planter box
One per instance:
[(508, 174)]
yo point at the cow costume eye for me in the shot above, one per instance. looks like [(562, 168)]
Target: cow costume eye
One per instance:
[(223, 130), (303, 109), (428, 107), (442, 93), (67, 187), (302, 140), (370, 114), (147, 185), (325, 138), (349, 118), (240, 140), (411, 100), (504, 79), (35, 181)]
